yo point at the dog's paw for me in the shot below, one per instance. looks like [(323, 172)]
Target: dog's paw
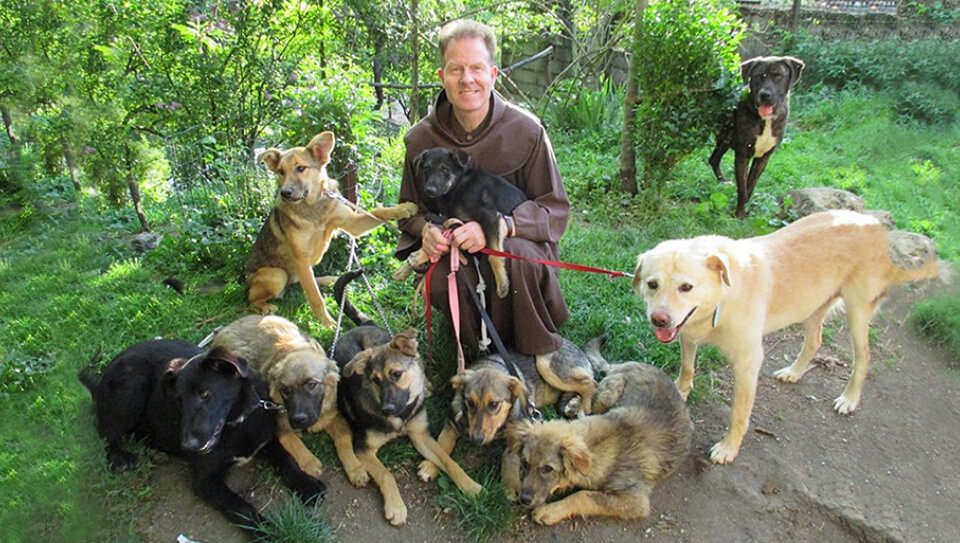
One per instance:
[(503, 288), (358, 476), (122, 460), (395, 513), (311, 466), (845, 405), (471, 488), (428, 471), (267, 309), (723, 452), (787, 375), (548, 514), (406, 210), (684, 391)]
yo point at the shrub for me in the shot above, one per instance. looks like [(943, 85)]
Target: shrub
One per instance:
[(927, 103)]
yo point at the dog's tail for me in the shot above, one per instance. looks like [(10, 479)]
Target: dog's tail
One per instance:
[(592, 350), (354, 314), (88, 376)]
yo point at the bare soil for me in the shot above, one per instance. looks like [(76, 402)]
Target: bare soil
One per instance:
[(890, 472)]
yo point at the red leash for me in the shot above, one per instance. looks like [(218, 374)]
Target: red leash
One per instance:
[(557, 264)]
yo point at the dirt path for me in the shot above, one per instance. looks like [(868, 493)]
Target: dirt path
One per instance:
[(888, 473)]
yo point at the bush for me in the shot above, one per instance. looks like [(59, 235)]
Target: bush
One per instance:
[(927, 103)]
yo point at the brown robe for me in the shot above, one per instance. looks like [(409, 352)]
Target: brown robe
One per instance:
[(512, 143)]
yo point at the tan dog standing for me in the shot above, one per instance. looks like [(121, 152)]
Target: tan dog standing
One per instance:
[(730, 293), (302, 379), (307, 212)]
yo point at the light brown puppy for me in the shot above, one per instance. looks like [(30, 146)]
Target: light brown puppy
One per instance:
[(729, 293), (302, 379), (615, 458), (382, 396), (306, 214)]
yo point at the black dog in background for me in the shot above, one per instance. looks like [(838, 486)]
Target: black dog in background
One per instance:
[(756, 127), (206, 407), (452, 189)]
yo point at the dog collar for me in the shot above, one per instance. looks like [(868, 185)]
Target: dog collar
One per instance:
[(265, 404)]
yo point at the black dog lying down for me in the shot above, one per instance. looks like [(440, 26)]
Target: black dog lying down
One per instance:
[(755, 129), (206, 407), (452, 189)]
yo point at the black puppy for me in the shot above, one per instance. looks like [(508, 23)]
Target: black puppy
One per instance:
[(452, 189), (756, 127), (364, 335), (206, 407)]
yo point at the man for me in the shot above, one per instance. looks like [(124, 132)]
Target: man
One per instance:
[(506, 140)]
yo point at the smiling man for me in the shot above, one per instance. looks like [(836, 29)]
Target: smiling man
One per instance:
[(506, 140)]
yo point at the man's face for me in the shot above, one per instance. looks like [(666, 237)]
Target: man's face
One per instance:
[(468, 75)]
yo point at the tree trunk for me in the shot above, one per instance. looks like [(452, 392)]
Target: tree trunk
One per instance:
[(378, 71), (71, 164), (628, 155), (8, 125), (414, 114), (134, 187)]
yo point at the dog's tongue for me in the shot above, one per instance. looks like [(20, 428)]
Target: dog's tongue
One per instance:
[(765, 111), (665, 335)]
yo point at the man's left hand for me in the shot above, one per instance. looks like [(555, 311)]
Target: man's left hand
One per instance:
[(469, 237)]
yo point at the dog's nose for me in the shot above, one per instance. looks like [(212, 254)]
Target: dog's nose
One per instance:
[(298, 420), (526, 497), (765, 95), (477, 437), (286, 194), (660, 320), (389, 408)]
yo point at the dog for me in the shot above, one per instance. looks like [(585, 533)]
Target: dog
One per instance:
[(452, 189), (730, 293), (382, 396), (209, 408), (755, 129), (639, 434), (302, 379), (364, 335), (493, 391), (307, 212)]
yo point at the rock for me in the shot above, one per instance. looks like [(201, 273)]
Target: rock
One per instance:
[(146, 241), (910, 250), (885, 217), (812, 200)]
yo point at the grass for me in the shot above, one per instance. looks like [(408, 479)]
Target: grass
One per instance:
[(71, 283)]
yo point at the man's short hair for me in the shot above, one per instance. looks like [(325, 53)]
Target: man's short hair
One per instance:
[(467, 28)]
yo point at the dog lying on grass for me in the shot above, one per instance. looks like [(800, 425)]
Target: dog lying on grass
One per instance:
[(209, 408), (306, 214), (302, 379), (382, 395), (639, 434), (730, 293)]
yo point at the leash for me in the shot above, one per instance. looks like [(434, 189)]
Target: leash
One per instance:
[(556, 263)]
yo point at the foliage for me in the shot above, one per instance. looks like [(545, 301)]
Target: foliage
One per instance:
[(939, 320), (927, 103), (483, 517), (687, 82), (595, 114), (294, 522)]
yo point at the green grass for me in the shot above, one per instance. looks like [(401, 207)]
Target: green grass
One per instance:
[(70, 283), (939, 320)]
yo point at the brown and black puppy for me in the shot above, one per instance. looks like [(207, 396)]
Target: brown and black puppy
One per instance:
[(614, 459), (382, 395), (306, 214), (451, 189), (756, 127), (489, 394), (302, 379), (209, 408)]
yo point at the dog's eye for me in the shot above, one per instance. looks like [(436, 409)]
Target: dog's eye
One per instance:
[(205, 395), (471, 405), (493, 407), (653, 285), (312, 386), (545, 470), (396, 375), (375, 379), (301, 168), (285, 391), (686, 287)]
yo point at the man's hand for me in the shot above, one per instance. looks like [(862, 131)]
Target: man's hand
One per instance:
[(434, 243), (469, 237)]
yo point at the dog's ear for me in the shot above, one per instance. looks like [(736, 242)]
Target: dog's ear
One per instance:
[(459, 380), (636, 273), (271, 157), (575, 454), (321, 146), (405, 342), (796, 68), (358, 365), (518, 390), (224, 361), (720, 263), (747, 66), (515, 432), (460, 157), (417, 164)]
